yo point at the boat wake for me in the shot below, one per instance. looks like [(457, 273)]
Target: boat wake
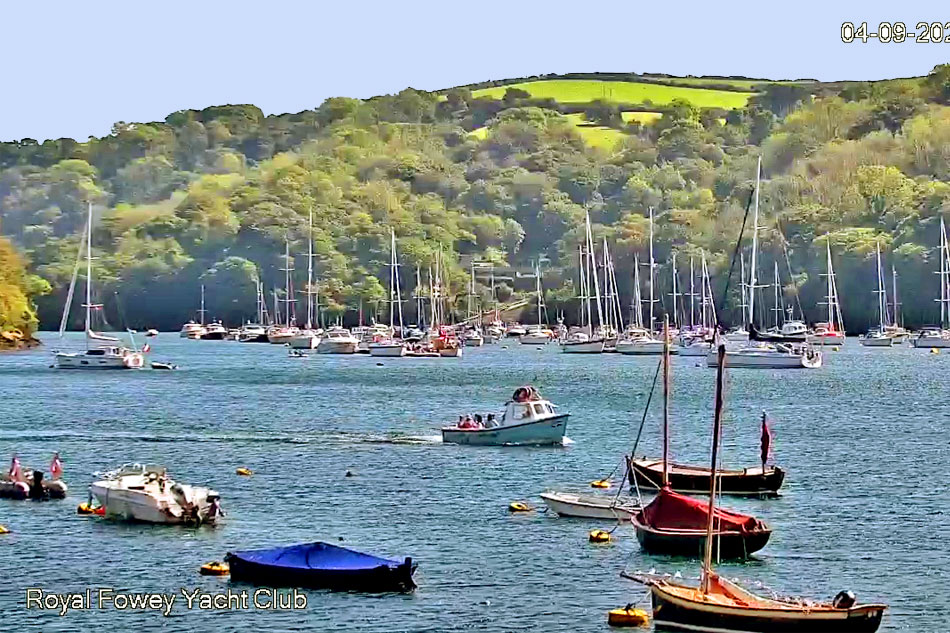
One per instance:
[(333, 437)]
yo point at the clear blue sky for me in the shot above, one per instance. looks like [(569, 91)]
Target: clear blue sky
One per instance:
[(74, 68)]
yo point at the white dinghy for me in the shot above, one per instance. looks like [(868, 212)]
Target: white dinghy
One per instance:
[(138, 492)]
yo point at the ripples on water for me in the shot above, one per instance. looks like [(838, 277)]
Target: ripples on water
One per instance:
[(865, 504)]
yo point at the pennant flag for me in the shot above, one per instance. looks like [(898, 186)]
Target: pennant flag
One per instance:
[(56, 467), (146, 349), (15, 468), (766, 449)]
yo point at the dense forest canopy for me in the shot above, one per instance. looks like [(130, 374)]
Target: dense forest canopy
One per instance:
[(210, 197)]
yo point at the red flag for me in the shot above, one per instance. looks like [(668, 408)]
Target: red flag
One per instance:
[(766, 449), (15, 469), (146, 349), (56, 467)]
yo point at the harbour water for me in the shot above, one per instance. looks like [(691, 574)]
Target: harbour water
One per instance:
[(865, 505)]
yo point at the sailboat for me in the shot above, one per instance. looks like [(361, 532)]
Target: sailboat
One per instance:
[(472, 336), (939, 337), (214, 331), (718, 605), (537, 334), (877, 337), (102, 352), (771, 351), (643, 343), (896, 328), (393, 345), (587, 339), (830, 332), (699, 342), (194, 330), (674, 524), (308, 337), (282, 334)]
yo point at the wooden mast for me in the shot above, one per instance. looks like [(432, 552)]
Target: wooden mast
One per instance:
[(717, 421), (666, 400)]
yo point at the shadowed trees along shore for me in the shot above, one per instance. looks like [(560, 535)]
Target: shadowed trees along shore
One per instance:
[(210, 197)]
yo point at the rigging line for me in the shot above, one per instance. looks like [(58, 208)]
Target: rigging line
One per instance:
[(788, 266), (72, 287), (646, 409), (735, 255)]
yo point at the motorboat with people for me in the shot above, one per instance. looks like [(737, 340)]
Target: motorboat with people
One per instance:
[(338, 340), (20, 483), (142, 492), (214, 332), (528, 419)]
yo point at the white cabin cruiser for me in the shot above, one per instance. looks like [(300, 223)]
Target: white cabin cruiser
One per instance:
[(101, 358), (516, 330), (192, 330), (536, 336), (281, 334), (473, 338), (145, 493), (876, 338), (825, 335), (932, 337), (338, 340), (528, 420), (252, 333), (582, 343), (305, 339), (214, 332), (769, 356)]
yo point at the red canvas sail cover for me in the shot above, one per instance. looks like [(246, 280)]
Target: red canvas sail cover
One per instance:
[(673, 511)]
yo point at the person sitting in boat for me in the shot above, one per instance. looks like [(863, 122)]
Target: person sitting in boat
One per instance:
[(478, 421), (491, 422), (214, 510)]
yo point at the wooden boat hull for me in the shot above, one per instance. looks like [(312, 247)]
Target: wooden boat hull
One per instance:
[(546, 431), (692, 543), (673, 613), (750, 482), (588, 506)]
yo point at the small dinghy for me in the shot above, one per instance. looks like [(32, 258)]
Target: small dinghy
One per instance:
[(30, 484), (321, 566), (157, 365), (567, 504)]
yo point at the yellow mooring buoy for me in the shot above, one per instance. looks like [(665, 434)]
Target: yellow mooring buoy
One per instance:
[(4, 530), (934, 350), (600, 483), (519, 506), (245, 472), (215, 568), (628, 616), (599, 536), (835, 348)]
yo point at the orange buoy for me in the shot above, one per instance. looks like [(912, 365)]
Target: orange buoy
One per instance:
[(88, 508), (215, 568), (599, 536), (600, 483)]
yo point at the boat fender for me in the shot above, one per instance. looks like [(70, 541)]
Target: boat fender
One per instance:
[(215, 568), (4, 529), (244, 472), (600, 483), (599, 536), (628, 616), (519, 506), (844, 600), (934, 350)]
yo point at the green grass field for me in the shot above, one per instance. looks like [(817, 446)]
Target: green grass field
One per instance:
[(646, 118), (596, 136), (582, 91)]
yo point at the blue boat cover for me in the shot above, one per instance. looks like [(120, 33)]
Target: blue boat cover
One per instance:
[(315, 556)]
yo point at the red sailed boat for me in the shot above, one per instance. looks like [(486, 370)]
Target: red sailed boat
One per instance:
[(675, 524)]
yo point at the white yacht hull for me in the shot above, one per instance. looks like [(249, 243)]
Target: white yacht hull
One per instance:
[(451, 352), (535, 339), (765, 360), (474, 341), (643, 348), (883, 341), (536, 432), (133, 360), (836, 338), (308, 341), (132, 505), (388, 350), (696, 349), (587, 347), (932, 341), (588, 506), (328, 346)]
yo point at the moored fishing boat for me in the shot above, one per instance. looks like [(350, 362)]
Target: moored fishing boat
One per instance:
[(321, 566), (528, 419), (748, 482), (145, 493)]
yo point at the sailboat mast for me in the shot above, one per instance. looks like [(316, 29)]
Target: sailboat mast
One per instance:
[(755, 242), (894, 294), (881, 301), (89, 276), (396, 284), (202, 310), (776, 282), (310, 274), (832, 323), (584, 305), (652, 265), (692, 294), (593, 272), (666, 400), (674, 294), (637, 304), (537, 277), (717, 421), (943, 274)]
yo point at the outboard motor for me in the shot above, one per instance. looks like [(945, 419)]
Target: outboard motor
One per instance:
[(844, 600), (38, 491)]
